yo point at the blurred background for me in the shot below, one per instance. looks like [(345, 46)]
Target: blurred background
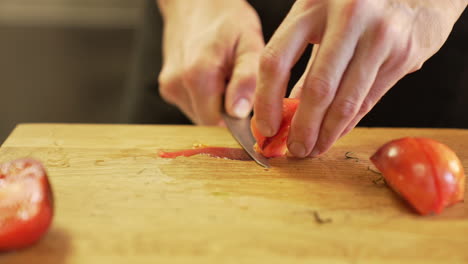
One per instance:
[(64, 60), (74, 60)]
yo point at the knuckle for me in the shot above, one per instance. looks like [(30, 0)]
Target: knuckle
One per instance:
[(201, 76), (401, 58), (165, 93), (246, 82), (346, 108), (366, 107), (318, 90), (412, 57), (192, 72), (209, 90), (417, 67), (354, 8), (406, 48), (385, 30), (270, 60), (166, 79), (169, 95), (167, 87), (405, 55)]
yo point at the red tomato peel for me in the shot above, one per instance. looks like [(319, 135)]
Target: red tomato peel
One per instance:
[(275, 146), (427, 173), (26, 204), (216, 152)]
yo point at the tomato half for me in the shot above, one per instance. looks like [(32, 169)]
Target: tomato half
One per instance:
[(427, 173), (26, 203), (275, 146)]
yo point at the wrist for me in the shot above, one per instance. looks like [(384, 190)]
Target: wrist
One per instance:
[(458, 6), (167, 7), (164, 5)]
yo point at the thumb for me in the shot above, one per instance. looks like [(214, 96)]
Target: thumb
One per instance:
[(241, 88)]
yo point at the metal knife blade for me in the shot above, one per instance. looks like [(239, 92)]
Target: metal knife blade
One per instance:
[(240, 130)]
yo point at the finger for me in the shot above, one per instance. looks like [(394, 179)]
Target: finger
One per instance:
[(321, 83), (297, 89), (186, 107), (203, 78), (205, 85), (172, 91), (396, 66), (371, 52), (241, 88), (384, 81), (171, 87), (371, 100), (278, 57)]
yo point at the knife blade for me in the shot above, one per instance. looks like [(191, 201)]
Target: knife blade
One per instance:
[(240, 130)]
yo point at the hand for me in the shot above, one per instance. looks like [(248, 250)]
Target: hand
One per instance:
[(210, 48), (366, 46)]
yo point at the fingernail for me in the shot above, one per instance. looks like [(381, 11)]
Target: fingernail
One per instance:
[(297, 149), (242, 108), (315, 153), (264, 128)]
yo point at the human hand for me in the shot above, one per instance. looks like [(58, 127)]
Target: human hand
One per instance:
[(210, 48), (365, 47)]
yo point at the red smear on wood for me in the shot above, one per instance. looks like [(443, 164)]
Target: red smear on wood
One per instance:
[(217, 152)]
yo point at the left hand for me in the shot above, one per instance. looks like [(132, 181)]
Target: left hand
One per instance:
[(211, 48), (365, 47)]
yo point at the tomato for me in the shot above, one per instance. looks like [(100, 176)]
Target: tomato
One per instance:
[(427, 173), (216, 152), (26, 203), (275, 146)]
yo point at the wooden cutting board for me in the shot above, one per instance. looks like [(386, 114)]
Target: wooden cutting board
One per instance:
[(116, 202)]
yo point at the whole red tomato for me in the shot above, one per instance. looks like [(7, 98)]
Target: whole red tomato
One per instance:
[(427, 173), (275, 146), (26, 203)]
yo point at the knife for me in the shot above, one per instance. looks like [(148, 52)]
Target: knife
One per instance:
[(240, 130)]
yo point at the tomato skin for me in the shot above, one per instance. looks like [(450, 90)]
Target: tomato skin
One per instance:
[(427, 173), (275, 146), (217, 152), (15, 232), (449, 174)]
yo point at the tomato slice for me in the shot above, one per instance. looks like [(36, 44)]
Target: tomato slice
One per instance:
[(275, 146), (26, 203), (216, 152), (427, 173)]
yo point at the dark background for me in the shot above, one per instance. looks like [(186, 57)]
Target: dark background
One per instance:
[(65, 60), (78, 69), (435, 96)]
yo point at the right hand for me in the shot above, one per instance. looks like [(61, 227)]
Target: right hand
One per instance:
[(211, 48)]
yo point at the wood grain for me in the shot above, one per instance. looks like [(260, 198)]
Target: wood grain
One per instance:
[(118, 203)]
